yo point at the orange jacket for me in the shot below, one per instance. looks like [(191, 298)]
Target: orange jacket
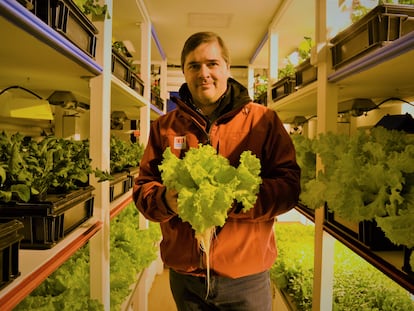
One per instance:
[(245, 245)]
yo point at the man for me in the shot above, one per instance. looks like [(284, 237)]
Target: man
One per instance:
[(215, 109)]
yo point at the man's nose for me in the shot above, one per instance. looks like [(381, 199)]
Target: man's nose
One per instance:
[(204, 71)]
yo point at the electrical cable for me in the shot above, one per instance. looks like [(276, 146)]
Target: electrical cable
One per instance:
[(393, 98), (22, 88)]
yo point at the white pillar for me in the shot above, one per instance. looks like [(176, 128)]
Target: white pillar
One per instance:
[(327, 110), (100, 116)]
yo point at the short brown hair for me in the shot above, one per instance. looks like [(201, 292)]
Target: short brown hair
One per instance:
[(202, 37)]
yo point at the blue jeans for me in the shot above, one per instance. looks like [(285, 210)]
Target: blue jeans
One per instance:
[(249, 293)]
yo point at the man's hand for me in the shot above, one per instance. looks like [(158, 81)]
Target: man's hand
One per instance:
[(171, 199)]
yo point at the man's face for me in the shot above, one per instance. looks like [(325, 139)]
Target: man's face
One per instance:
[(206, 73)]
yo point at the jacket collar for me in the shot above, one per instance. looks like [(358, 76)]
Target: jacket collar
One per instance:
[(235, 97)]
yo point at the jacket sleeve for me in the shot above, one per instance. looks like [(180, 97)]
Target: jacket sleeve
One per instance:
[(280, 188), (148, 191)]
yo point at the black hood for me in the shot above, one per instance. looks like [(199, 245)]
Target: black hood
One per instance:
[(236, 96)]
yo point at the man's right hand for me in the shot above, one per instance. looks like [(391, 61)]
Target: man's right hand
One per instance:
[(171, 199)]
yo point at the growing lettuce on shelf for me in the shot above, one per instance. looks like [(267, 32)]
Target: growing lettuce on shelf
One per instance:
[(368, 176), (68, 288), (207, 187)]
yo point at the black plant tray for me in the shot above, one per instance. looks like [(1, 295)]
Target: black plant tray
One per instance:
[(283, 87), (29, 4), (407, 266), (119, 185), (47, 222), (132, 174), (366, 232), (262, 99), (120, 67), (136, 83), (67, 19), (157, 101), (9, 251), (305, 73), (381, 25)]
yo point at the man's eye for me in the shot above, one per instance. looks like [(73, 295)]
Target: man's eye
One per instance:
[(194, 66)]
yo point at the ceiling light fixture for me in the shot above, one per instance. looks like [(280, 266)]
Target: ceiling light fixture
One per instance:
[(209, 20), (67, 100), (357, 106), (20, 106), (129, 46)]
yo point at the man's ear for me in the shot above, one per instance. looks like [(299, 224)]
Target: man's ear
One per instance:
[(228, 70)]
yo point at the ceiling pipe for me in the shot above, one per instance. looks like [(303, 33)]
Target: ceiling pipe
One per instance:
[(259, 48), (157, 42)]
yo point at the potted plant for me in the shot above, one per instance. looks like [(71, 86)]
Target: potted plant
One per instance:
[(124, 69), (260, 89), (305, 72), (43, 181), (125, 157), (32, 169), (287, 83), (92, 7)]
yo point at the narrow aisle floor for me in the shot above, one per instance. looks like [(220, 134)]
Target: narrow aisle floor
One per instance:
[(160, 297)]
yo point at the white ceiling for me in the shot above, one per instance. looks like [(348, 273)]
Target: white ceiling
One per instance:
[(242, 24)]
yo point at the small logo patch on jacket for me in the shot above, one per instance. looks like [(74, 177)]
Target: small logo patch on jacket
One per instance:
[(180, 142)]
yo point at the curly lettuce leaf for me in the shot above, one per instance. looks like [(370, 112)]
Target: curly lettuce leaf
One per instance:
[(207, 184), (399, 229)]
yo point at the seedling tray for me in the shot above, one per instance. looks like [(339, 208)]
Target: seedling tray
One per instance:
[(136, 83), (262, 99), (9, 251), (305, 73), (119, 185), (283, 87), (120, 67), (366, 232), (67, 19), (381, 25), (407, 266), (132, 174), (47, 222), (157, 101)]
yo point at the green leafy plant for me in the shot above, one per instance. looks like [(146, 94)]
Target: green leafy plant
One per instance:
[(93, 7), (358, 10), (124, 154), (15, 179), (304, 52), (306, 158), (31, 169), (120, 47), (293, 268), (287, 71), (132, 250), (368, 176), (357, 284), (65, 289), (207, 186), (304, 49), (260, 86)]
